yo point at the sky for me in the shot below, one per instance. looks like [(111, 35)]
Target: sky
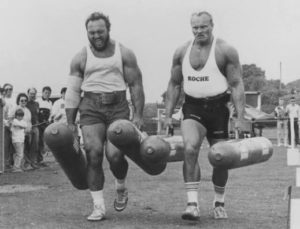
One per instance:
[(40, 37)]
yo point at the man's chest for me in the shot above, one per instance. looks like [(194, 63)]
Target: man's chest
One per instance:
[(199, 58)]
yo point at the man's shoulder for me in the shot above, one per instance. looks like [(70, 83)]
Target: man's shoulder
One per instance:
[(226, 51), (181, 50), (80, 58), (125, 51), (183, 47)]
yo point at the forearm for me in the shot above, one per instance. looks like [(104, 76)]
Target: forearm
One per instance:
[(138, 100), (238, 97), (71, 115), (172, 96)]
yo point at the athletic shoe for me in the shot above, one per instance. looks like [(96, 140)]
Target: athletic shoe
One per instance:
[(120, 202), (97, 214), (42, 164), (219, 211), (191, 212), (16, 170)]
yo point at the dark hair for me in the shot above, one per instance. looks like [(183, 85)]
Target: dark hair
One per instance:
[(19, 97), (31, 88), (19, 112), (46, 88), (7, 84), (63, 90), (97, 16), (199, 13)]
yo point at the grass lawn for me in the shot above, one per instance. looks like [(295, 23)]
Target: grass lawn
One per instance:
[(254, 198)]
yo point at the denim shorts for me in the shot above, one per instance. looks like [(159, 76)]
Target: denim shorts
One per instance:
[(95, 109)]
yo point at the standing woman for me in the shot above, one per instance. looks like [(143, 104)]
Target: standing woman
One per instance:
[(21, 101)]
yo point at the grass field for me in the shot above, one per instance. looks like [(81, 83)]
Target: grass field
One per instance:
[(254, 198)]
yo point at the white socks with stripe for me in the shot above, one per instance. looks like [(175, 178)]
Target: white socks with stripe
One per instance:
[(98, 198), (120, 184), (192, 191), (219, 194)]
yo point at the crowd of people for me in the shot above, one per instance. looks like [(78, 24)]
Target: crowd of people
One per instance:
[(288, 117), (25, 120)]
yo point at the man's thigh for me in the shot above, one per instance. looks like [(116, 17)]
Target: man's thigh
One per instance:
[(93, 136), (193, 133)]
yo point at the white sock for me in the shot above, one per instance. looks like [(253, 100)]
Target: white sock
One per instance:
[(120, 184), (219, 194), (192, 191), (98, 198)]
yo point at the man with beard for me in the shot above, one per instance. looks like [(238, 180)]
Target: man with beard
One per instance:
[(101, 72), (208, 67)]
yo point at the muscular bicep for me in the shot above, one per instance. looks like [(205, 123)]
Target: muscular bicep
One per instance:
[(233, 69), (176, 69), (131, 70), (78, 64)]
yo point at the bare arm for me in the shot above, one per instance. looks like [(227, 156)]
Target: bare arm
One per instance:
[(133, 78), (74, 84), (174, 85), (235, 81)]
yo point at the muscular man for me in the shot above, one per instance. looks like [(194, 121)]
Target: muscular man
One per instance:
[(102, 72), (208, 67)]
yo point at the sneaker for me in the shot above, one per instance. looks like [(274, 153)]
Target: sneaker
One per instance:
[(191, 212), (26, 167), (97, 214), (35, 165), (120, 202), (16, 170), (42, 164), (219, 211)]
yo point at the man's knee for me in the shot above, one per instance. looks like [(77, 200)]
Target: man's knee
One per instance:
[(94, 154), (114, 157), (191, 151)]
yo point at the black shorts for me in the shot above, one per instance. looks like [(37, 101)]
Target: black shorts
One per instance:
[(95, 109), (212, 114)]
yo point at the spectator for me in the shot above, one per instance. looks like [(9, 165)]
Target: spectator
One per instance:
[(21, 103), (45, 106), (279, 113), (293, 112), (9, 104), (58, 110), (32, 146), (18, 127)]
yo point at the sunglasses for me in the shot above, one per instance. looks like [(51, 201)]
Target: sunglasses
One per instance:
[(23, 100)]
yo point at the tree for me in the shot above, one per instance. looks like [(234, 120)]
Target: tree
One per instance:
[(253, 77)]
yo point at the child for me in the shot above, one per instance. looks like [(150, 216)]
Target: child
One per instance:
[(18, 127)]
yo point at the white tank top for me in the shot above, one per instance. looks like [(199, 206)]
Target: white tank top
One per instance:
[(207, 82), (103, 74)]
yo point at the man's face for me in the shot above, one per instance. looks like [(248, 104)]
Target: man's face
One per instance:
[(202, 28), (32, 95), (293, 101), (98, 34), (280, 102), (46, 94)]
